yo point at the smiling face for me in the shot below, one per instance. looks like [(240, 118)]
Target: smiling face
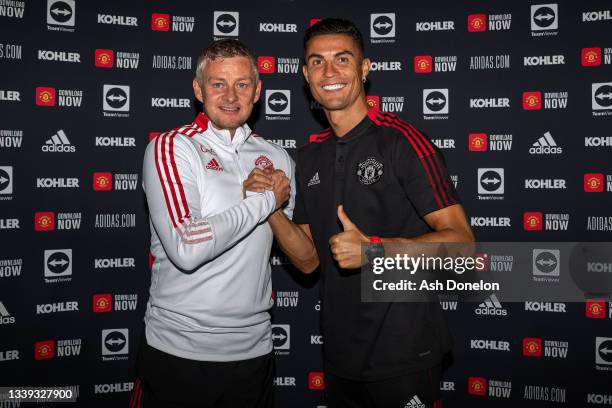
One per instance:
[(228, 89), (335, 69)]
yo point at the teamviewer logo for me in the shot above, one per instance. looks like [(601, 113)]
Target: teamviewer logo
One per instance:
[(281, 336), (278, 102), (603, 351), (490, 181), (58, 262), (435, 101), (601, 96), (226, 23), (115, 342), (382, 25), (61, 12), (6, 179), (546, 262), (116, 98), (544, 17)]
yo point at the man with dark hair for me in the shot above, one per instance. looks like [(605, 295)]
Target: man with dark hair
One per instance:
[(335, 26), (208, 333), (370, 178)]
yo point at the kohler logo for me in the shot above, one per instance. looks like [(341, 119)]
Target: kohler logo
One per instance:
[(599, 267), (277, 28)]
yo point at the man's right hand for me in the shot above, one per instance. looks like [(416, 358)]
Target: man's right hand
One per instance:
[(268, 179)]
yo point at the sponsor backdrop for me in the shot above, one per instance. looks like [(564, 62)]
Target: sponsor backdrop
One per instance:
[(517, 95)]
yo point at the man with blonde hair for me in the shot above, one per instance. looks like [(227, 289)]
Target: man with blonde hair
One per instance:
[(208, 334)]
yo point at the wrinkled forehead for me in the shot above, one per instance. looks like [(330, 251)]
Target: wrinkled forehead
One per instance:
[(234, 67)]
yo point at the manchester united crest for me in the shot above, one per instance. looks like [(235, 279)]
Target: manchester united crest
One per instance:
[(263, 162), (369, 171)]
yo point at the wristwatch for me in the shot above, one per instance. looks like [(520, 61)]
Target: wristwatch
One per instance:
[(374, 249)]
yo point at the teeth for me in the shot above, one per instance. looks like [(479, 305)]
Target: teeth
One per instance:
[(333, 87)]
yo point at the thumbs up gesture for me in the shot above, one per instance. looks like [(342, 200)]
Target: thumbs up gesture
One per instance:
[(346, 246)]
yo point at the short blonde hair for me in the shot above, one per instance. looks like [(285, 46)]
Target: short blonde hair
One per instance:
[(225, 48)]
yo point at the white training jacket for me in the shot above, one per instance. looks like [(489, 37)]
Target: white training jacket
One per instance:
[(210, 285)]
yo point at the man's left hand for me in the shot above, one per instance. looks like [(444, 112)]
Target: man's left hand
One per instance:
[(346, 246), (258, 181)]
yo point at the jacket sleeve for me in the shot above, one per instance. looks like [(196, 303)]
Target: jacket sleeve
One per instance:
[(173, 197), (300, 216), (288, 210)]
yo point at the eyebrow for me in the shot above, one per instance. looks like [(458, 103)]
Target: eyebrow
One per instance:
[(345, 52)]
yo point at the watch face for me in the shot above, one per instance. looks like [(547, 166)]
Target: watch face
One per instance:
[(374, 251)]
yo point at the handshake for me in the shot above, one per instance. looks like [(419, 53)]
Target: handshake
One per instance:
[(268, 179)]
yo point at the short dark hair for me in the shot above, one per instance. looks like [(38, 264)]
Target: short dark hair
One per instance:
[(329, 26), (225, 48)]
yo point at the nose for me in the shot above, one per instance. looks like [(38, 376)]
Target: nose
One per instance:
[(329, 70), (230, 94)]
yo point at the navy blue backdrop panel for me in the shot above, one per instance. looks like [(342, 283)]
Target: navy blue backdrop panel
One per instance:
[(518, 95)]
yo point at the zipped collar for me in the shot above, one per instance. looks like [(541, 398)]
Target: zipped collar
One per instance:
[(202, 125)]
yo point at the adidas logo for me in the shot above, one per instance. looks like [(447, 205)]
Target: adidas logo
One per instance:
[(415, 402), (3, 311), (545, 145), (314, 180), (58, 143), (214, 165), (5, 316), (491, 301), (491, 306)]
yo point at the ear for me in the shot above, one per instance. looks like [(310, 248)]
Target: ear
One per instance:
[(305, 72), (365, 67), (197, 90), (257, 91)]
